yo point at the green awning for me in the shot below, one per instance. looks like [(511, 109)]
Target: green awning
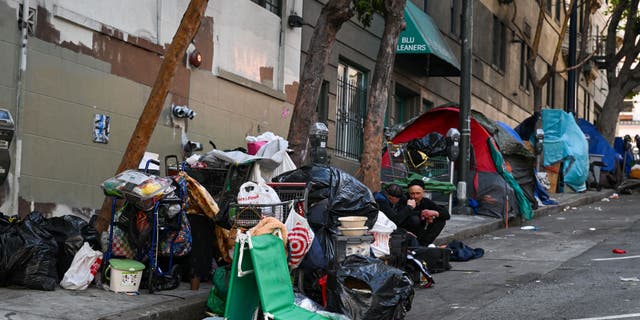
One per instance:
[(421, 43)]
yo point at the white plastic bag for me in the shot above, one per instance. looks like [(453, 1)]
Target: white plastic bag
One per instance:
[(260, 193), (381, 231), (83, 268), (299, 237), (257, 193)]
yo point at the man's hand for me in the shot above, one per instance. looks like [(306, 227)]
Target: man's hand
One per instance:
[(411, 203), (429, 215)]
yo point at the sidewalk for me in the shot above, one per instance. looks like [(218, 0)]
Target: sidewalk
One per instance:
[(183, 303)]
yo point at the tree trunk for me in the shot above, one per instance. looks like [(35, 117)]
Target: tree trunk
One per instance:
[(149, 117), (610, 110), (537, 98), (332, 16), (377, 104)]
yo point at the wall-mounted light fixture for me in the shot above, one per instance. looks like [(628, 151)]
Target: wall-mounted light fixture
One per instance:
[(295, 21), (195, 58)]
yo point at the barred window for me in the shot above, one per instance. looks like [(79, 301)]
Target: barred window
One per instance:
[(351, 110), (271, 5)]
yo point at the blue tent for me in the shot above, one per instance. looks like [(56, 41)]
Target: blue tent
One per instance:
[(508, 129), (599, 145), (564, 141)]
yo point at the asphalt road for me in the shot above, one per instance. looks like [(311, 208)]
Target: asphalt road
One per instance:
[(563, 270)]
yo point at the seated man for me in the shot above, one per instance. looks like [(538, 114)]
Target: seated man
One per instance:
[(392, 202), (427, 219)]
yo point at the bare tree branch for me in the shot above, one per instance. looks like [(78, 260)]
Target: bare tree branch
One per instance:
[(556, 53), (579, 64), (610, 45)]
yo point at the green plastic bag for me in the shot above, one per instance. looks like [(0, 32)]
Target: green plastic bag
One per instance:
[(218, 293)]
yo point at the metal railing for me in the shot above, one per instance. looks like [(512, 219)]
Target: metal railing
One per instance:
[(351, 106)]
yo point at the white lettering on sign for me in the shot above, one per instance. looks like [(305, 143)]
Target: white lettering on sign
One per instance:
[(412, 47), (407, 40)]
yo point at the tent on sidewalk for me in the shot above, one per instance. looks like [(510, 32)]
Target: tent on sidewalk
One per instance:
[(486, 185), (563, 142), (611, 172), (515, 153)]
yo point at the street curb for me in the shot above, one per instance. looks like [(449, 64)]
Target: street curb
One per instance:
[(484, 228), (193, 307)]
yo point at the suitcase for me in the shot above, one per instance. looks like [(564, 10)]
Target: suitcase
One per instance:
[(437, 259)]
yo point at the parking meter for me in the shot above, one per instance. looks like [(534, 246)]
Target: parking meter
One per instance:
[(7, 129), (539, 140), (318, 136), (453, 144)]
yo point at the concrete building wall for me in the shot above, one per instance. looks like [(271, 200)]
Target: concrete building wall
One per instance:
[(107, 66)]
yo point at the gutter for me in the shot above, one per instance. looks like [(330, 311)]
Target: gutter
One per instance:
[(15, 190)]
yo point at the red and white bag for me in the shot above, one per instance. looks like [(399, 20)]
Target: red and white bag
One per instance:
[(299, 237), (83, 268)]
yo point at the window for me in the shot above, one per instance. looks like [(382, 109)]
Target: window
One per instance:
[(558, 8), (587, 103), (551, 89), (454, 27), (271, 5), (499, 44), (407, 104), (322, 109), (525, 54), (351, 110), (547, 6)]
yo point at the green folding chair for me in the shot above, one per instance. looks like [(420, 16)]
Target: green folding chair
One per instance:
[(260, 277)]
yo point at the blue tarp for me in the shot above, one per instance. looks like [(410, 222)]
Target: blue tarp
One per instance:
[(564, 141), (599, 145)]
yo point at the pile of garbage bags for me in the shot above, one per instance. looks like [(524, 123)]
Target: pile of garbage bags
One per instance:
[(35, 252)]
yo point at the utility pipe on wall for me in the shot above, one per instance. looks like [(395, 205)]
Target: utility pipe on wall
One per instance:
[(15, 190), (281, 48)]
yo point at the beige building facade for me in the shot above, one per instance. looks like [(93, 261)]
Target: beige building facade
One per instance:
[(88, 58)]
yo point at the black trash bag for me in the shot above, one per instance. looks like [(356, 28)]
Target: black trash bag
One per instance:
[(347, 195), (90, 234), (68, 233), (433, 144), (366, 288), (28, 254)]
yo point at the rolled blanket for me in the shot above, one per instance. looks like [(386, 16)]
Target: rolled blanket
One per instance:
[(267, 226)]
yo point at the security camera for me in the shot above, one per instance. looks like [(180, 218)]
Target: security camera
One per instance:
[(183, 112)]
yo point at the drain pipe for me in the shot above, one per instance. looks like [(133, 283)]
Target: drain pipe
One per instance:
[(281, 51), (15, 191), (158, 18)]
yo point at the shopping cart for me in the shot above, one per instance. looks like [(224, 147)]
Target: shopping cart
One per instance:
[(222, 182), (157, 212)]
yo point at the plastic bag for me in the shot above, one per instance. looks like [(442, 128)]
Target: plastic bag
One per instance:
[(28, 254), (299, 237), (381, 231), (257, 193), (83, 268), (67, 231), (366, 288), (137, 185), (346, 195)]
